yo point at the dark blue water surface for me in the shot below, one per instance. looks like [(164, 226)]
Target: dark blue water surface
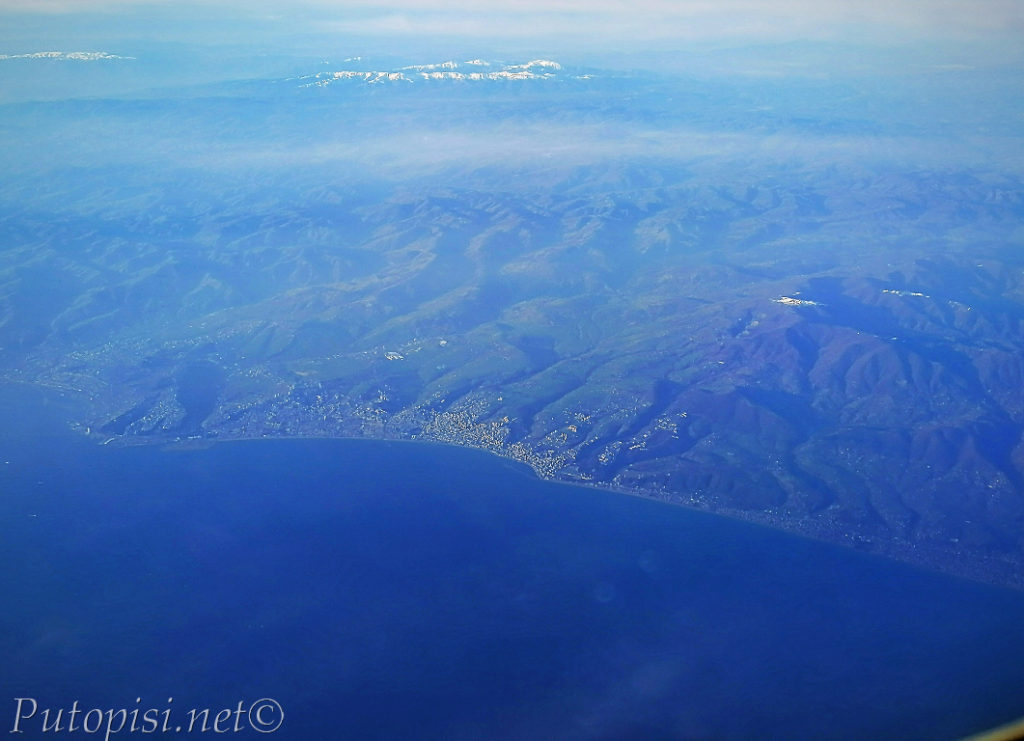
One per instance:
[(408, 591)]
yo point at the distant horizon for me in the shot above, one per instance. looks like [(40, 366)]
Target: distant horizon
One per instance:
[(571, 24), (760, 260)]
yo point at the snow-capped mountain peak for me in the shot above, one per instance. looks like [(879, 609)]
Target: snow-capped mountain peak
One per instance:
[(473, 70), (76, 56)]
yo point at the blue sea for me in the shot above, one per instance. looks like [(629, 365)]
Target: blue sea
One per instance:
[(379, 590)]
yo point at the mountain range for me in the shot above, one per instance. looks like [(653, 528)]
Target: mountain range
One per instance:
[(808, 315)]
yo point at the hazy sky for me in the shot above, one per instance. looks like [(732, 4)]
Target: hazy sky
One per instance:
[(603, 19)]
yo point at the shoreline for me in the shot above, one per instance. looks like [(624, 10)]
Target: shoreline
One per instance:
[(989, 572), (976, 568)]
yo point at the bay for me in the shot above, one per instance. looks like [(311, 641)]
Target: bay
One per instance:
[(381, 590)]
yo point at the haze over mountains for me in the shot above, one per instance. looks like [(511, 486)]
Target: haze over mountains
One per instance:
[(794, 299)]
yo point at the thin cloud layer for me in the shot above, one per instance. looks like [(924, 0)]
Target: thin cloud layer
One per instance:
[(695, 19), (607, 19)]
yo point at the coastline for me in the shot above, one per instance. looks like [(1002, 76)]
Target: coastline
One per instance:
[(973, 567), (990, 572)]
